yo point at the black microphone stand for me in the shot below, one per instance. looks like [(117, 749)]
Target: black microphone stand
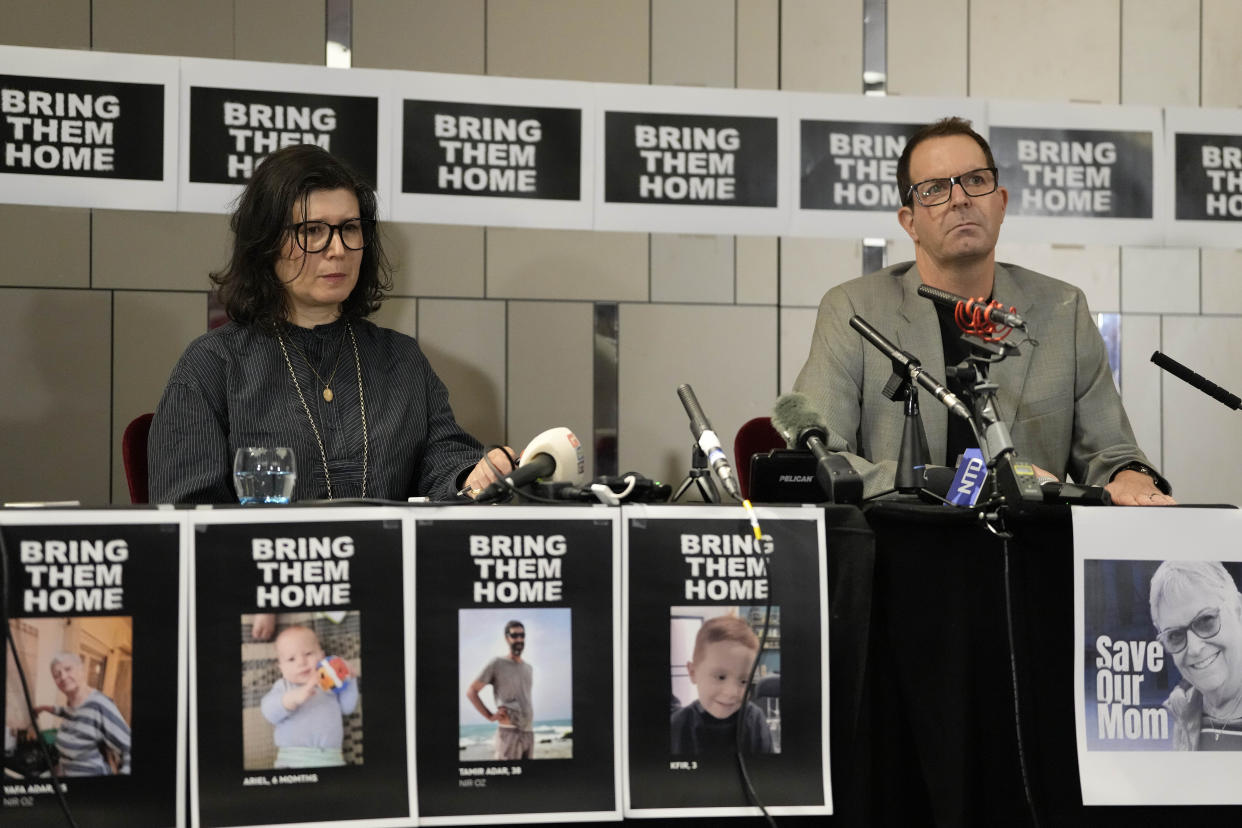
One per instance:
[(1013, 478), (699, 475), (914, 454)]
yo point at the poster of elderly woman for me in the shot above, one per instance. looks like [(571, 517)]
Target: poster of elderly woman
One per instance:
[(1197, 612), (79, 677), (1160, 664)]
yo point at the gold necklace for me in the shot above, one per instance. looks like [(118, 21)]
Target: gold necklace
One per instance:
[(327, 384), (362, 404)]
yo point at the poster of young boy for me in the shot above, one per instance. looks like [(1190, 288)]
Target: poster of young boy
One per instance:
[(1158, 697), (299, 679), (95, 610), (517, 664), (711, 609)]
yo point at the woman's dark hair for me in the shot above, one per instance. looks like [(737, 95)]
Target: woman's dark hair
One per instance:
[(248, 286), (952, 125)]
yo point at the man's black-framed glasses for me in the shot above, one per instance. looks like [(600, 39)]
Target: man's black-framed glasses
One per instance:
[(315, 236), (1205, 625), (935, 191)]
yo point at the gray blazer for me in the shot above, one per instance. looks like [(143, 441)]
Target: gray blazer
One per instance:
[(1058, 399)]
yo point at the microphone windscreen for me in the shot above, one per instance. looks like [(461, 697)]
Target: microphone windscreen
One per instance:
[(563, 447), (793, 414)]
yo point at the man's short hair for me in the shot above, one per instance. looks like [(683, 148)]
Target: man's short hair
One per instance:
[(1180, 577), (953, 125), (513, 624), (724, 628)]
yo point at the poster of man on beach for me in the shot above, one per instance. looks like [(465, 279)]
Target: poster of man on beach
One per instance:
[(515, 670)]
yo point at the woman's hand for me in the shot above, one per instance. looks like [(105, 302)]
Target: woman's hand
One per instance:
[(481, 476)]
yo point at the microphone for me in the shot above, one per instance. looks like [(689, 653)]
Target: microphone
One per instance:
[(1202, 383), (910, 366), (554, 455), (994, 311), (708, 441), (799, 423)]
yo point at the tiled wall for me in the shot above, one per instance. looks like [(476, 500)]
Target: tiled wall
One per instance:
[(95, 306)]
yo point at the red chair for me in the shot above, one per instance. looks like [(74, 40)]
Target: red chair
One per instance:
[(754, 437), (134, 456)]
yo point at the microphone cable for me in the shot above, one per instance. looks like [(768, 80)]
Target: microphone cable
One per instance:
[(500, 478), (21, 675), (740, 728), (1013, 677), (748, 786)]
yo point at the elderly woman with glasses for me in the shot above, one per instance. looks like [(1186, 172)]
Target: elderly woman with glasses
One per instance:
[(299, 365), (1197, 612)]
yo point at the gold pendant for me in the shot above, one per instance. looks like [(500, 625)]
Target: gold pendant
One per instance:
[(327, 394)]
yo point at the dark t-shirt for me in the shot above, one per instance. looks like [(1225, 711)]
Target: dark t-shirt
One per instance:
[(695, 732), (960, 435)]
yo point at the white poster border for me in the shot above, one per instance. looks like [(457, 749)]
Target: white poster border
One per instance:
[(591, 513), (204, 197), (300, 514), (1154, 777), (495, 211), (640, 511), (814, 106), (104, 193), (131, 517), (1193, 233), (1079, 229), (713, 219)]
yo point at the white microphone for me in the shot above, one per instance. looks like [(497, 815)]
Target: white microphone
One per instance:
[(554, 456)]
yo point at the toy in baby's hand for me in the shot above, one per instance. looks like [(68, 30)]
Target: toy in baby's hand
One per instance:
[(333, 673)]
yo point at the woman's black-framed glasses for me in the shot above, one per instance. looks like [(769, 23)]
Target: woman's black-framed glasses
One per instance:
[(1205, 625), (936, 191), (315, 236)]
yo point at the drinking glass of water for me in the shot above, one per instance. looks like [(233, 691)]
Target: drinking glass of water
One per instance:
[(264, 475)]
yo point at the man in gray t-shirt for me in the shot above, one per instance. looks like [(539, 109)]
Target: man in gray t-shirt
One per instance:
[(511, 680)]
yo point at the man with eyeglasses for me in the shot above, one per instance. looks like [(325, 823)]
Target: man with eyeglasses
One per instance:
[(1197, 612), (511, 679), (1058, 398)]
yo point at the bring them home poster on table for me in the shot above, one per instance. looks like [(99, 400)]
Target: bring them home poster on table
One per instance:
[(517, 686), (699, 589), (96, 613), (299, 669)]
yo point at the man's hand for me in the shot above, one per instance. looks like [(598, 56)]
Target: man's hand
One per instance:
[(481, 475), (1133, 488), (502, 716)]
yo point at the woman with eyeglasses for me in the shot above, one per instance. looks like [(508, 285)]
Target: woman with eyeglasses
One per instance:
[(1197, 612), (299, 365)]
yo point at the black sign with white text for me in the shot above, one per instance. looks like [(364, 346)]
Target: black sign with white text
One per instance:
[(333, 588), (82, 128), (660, 158), (851, 165), (232, 130), (93, 607), (517, 614), (453, 148), (1084, 173), (683, 569), (1208, 176)]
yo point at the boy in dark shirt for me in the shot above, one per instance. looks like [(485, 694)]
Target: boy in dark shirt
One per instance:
[(724, 651)]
